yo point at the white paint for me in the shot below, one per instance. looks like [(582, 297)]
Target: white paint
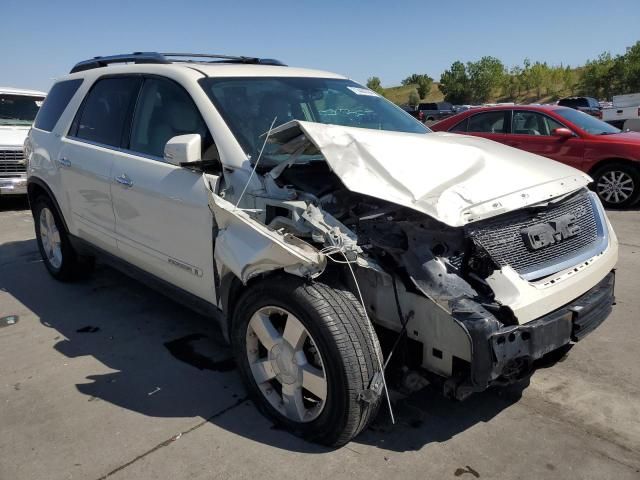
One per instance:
[(456, 179)]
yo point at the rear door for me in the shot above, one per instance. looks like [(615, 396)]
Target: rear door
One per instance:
[(533, 131), (87, 153), (163, 222)]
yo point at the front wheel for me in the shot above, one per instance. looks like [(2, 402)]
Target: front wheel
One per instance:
[(617, 185), (306, 353)]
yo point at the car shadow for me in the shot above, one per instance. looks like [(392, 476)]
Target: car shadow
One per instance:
[(10, 203), (167, 361)]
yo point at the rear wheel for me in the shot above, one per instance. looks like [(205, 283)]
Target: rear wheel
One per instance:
[(305, 353), (617, 185), (58, 255)]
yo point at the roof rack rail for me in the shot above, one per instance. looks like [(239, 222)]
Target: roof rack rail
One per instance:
[(162, 58), (228, 58)]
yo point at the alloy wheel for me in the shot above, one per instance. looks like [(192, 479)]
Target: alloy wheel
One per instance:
[(615, 186), (50, 238), (286, 364)]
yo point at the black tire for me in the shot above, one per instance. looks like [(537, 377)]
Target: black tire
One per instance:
[(602, 177), (336, 322), (72, 266)]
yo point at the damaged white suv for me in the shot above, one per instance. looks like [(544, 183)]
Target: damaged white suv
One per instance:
[(332, 235)]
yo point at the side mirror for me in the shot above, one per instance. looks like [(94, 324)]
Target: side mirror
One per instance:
[(563, 132), (183, 149)]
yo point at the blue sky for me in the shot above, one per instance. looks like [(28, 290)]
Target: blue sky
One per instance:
[(41, 40)]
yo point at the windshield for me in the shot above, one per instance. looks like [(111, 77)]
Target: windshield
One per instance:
[(586, 122), (18, 109), (249, 106)]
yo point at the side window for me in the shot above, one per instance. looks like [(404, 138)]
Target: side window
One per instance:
[(461, 127), (165, 110), (532, 123), (103, 117), (488, 122), (55, 103)]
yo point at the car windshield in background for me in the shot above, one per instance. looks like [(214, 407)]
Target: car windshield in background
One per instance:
[(586, 122), (249, 106), (18, 109)]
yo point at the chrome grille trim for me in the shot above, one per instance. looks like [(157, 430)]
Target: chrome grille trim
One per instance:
[(500, 237), (12, 163)]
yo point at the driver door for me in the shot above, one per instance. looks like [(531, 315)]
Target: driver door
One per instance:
[(162, 220), (533, 132)]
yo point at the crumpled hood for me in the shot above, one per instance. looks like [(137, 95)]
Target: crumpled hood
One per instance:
[(456, 179), (13, 136)]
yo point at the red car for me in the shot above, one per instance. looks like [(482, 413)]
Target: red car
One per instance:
[(610, 156)]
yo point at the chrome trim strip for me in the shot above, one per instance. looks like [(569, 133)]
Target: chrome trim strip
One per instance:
[(601, 244), (117, 149)]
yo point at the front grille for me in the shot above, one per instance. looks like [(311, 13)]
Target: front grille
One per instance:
[(12, 162), (501, 236)]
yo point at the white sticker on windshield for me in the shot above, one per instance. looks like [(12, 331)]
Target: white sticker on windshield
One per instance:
[(363, 91), (38, 103)]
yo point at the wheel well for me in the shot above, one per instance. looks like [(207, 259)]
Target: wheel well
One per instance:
[(34, 191), (37, 188), (232, 288), (611, 161)]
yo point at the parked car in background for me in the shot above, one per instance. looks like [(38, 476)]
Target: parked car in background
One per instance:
[(587, 105), (18, 109), (436, 110), (415, 113), (609, 155), (624, 107)]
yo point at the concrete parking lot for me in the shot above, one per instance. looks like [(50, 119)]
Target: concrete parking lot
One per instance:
[(107, 378)]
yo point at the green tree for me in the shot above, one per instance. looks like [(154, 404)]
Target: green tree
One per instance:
[(414, 98), (569, 80), (624, 75), (485, 76), (538, 77), (454, 84), (596, 79), (374, 84), (422, 81), (511, 83)]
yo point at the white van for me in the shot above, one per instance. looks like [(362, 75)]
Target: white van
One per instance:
[(18, 109)]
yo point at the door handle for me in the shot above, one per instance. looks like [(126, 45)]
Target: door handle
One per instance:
[(124, 180), (64, 162)]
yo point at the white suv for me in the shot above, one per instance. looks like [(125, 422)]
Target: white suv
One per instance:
[(316, 221), (18, 108)]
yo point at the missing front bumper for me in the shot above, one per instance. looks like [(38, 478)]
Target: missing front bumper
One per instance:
[(502, 355)]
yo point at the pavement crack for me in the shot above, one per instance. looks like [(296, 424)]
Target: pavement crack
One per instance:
[(169, 441)]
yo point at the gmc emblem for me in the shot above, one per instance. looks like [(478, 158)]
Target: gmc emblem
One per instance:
[(542, 235)]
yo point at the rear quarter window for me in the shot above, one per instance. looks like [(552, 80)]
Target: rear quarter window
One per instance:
[(55, 103), (460, 127)]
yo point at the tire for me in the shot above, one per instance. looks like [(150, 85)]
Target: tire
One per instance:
[(59, 257), (338, 344), (617, 185)]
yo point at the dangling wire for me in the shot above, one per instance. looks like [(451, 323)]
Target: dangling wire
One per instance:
[(328, 251), (258, 160)]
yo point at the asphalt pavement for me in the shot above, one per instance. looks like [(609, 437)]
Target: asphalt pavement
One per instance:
[(107, 378)]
